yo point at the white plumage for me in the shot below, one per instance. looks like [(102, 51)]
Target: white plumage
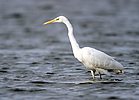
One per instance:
[(94, 60)]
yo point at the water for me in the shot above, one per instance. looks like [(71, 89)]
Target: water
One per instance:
[(37, 62)]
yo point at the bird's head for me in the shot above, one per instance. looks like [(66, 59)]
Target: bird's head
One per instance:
[(59, 19)]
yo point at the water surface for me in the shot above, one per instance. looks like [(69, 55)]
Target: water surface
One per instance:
[(37, 62)]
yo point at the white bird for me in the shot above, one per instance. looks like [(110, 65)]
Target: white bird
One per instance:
[(94, 60)]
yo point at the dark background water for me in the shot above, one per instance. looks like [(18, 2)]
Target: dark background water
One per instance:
[(36, 63)]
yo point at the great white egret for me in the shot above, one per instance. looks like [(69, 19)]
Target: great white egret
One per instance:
[(94, 60)]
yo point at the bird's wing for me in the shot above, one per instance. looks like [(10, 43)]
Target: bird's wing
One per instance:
[(99, 59)]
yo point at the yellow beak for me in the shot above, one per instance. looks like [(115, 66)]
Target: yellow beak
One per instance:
[(49, 22)]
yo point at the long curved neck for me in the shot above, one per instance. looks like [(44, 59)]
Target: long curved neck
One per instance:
[(75, 47), (74, 44)]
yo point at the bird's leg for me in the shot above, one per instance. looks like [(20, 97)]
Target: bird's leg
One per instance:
[(93, 73), (100, 75)]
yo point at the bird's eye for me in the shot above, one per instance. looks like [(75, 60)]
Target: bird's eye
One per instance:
[(57, 19)]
